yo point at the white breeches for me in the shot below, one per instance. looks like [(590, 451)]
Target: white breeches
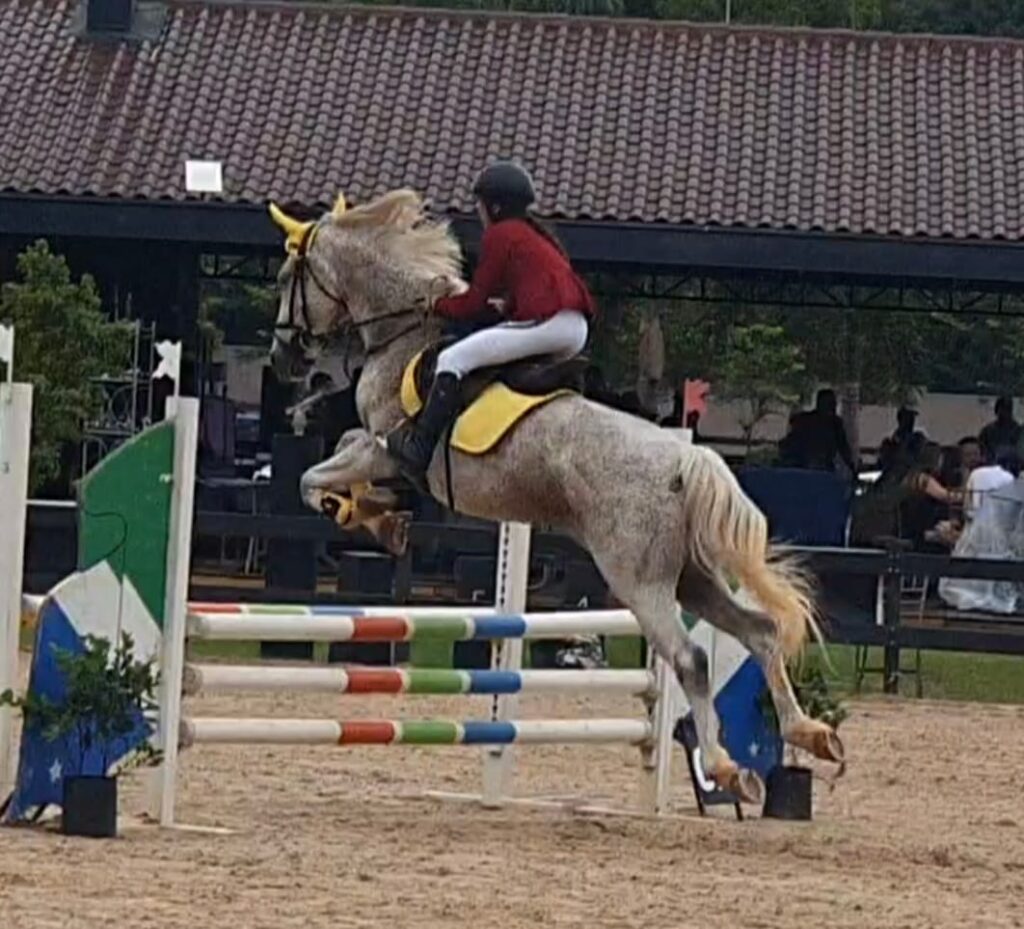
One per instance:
[(561, 336)]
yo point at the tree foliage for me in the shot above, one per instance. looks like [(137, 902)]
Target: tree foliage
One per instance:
[(960, 17), (109, 694), (764, 369), (63, 340)]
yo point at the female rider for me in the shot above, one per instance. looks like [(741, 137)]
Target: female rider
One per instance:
[(546, 303)]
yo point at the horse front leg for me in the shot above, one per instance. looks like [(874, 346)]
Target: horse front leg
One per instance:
[(342, 489)]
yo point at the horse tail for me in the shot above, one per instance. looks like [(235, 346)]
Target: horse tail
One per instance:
[(727, 534)]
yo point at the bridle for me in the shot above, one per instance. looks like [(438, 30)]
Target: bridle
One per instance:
[(300, 324)]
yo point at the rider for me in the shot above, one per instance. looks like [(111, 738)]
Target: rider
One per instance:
[(546, 303)]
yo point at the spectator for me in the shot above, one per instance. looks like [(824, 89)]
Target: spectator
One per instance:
[(907, 499), (970, 455), (906, 419), (692, 422), (928, 500), (992, 533), (817, 437), (952, 473), (1003, 431), (988, 478)]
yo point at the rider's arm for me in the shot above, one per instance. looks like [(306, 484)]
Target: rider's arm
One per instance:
[(488, 278)]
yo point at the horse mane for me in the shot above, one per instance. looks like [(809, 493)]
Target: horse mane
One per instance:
[(397, 228)]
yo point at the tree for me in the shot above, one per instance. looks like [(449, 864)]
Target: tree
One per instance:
[(63, 340), (961, 17), (763, 368), (845, 14), (950, 17), (570, 7)]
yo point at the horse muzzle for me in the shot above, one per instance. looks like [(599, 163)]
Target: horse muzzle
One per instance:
[(289, 361)]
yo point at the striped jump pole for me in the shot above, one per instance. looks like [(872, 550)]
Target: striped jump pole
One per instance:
[(399, 624), (506, 624), (222, 678), (412, 732)]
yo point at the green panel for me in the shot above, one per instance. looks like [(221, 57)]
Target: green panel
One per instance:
[(429, 732), (431, 653), (436, 681), (450, 628), (125, 511), (625, 651)]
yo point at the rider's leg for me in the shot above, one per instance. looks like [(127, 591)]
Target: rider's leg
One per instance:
[(412, 444), (563, 336)]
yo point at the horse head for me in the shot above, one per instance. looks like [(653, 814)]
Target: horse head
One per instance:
[(371, 268)]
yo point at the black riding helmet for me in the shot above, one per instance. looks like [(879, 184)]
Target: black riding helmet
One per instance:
[(505, 188)]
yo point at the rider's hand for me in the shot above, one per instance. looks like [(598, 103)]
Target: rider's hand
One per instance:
[(442, 286)]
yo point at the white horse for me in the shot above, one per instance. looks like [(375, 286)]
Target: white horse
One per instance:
[(666, 523)]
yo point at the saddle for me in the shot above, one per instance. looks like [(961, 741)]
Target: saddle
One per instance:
[(533, 377), (493, 400)]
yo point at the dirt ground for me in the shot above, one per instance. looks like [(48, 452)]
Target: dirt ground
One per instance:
[(926, 830)]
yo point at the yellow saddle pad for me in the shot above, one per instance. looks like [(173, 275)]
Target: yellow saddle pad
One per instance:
[(487, 420)]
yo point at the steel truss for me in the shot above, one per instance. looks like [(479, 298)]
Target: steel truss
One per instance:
[(806, 294)]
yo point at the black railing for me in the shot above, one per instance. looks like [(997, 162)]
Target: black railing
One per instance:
[(460, 556)]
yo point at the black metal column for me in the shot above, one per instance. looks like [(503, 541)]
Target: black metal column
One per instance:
[(291, 564), (891, 619)]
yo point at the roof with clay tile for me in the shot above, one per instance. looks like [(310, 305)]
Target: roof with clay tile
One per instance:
[(621, 121)]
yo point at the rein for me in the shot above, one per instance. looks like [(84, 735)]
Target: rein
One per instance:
[(369, 350)]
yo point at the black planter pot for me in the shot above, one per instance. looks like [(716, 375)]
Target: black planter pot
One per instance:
[(789, 793), (90, 807)]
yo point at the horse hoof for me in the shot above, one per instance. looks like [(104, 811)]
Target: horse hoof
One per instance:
[(820, 740), (395, 533), (336, 507), (747, 786), (829, 747), (743, 783)]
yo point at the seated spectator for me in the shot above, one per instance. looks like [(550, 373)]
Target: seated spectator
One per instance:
[(988, 478), (906, 501), (817, 438), (970, 455), (887, 453), (952, 473), (993, 532), (928, 500), (1003, 431)]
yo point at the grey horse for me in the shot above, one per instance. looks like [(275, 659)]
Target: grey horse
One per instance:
[(667, 524)]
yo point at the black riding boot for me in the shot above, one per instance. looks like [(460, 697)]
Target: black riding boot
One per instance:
[(412, 444)]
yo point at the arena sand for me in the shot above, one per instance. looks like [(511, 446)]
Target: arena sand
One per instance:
[(925, 830)]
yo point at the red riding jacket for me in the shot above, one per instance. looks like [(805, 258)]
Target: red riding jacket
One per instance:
[(521, 266)]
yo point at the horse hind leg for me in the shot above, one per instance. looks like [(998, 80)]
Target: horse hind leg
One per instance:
[(706, 596), (660, 619)]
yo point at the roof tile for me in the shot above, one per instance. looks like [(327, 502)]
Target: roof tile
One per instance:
[(619, 120)]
